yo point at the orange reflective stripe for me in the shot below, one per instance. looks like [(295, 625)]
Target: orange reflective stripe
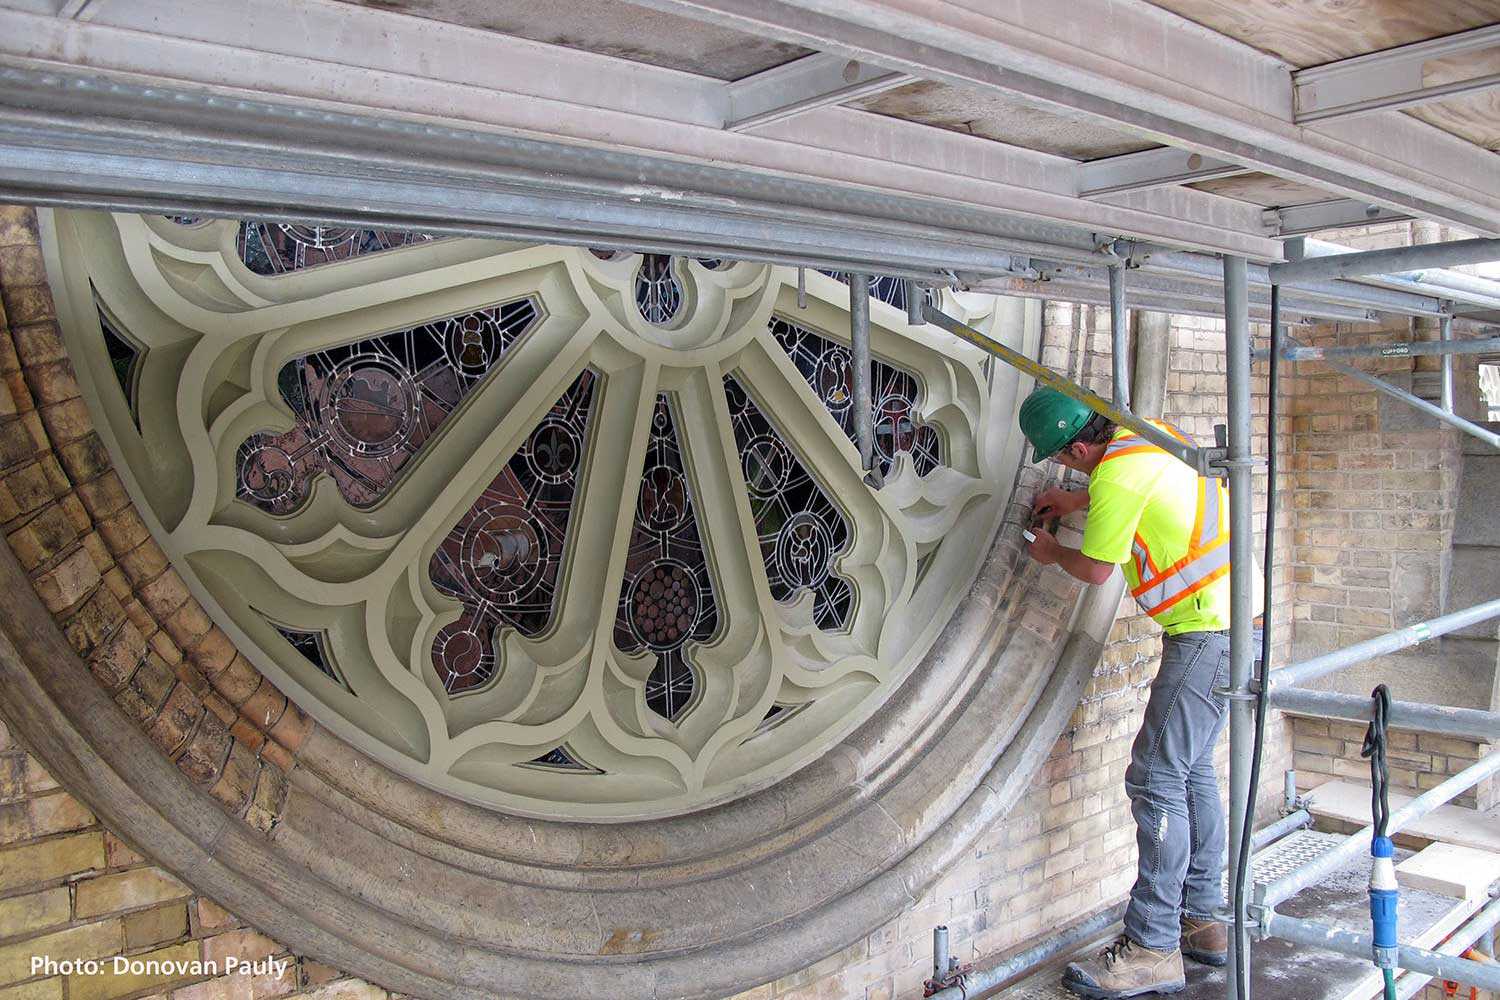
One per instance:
[(1133, 449), (1178, 566), (1143, 560), (1190, 591)]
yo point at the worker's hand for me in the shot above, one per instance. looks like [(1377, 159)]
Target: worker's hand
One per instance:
[(1046, 549), (1058, 502)]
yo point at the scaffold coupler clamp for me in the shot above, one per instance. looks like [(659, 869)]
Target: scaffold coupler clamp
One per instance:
[(957, 975)]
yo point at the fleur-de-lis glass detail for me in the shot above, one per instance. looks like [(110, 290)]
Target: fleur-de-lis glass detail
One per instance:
[(502, 558)]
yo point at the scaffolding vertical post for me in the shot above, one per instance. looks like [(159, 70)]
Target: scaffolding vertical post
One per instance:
[(801, 288), (859, 319), (1445, 333), (1241, 648), (1119, 343)]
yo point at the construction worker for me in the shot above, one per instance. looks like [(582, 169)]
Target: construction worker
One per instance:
[(1168, 529)]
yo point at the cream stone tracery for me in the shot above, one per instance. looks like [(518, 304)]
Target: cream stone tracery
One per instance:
[(687, 420)]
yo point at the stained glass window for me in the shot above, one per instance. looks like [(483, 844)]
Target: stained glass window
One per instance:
[(889, 290), (278, 248), (829, 368), (363, 410), (562, 758), (668, 595), (801, 532), (312, 646), (502, 558), (124, 360), (658, 292)]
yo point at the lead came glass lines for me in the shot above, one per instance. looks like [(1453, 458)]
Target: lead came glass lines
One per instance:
[(363, 410), (801, 532), (502, 559), (829, 369), (668, 594), (658, 293), (271, 248)]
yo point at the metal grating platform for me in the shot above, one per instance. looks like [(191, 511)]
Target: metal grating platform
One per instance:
[(1282, 971)]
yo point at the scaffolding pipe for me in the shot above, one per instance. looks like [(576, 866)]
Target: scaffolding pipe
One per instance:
[(1399, 349), (984, 980), (914, 298), (1445, 336), (1268, 895), (1119, 342), (1392, 261), (1299, 820), (941, 959), (1196, 458), (1360, 945), (801, 288), (1477, 927), (1241, 602), (1472, 429), (864, 418), (1467, 288), (1191, 265), (1402, 638), (1466, 723)]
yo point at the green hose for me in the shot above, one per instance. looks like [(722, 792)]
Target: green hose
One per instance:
[(1390, 983)]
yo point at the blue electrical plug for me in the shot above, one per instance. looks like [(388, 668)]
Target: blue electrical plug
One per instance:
[(1383, 899)]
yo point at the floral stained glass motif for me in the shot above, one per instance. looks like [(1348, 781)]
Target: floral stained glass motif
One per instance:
[(363, 410), (668, 596), (829, 369), (801, 532), (891, 291), (658, 292), (277, 248), (502, 559)]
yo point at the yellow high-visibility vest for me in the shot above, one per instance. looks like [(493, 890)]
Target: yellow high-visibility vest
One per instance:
[(1167, 527)]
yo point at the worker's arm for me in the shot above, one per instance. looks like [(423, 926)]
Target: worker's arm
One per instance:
[(1047, 550)]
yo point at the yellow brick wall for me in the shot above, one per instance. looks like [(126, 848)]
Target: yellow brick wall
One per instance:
[(71, 890)]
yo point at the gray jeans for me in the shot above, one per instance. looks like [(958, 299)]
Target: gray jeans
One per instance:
[(1174, 791)]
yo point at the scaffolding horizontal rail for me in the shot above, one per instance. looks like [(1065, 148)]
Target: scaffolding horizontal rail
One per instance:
[(982, 980), (1431, 409), (1401, 349), (1199, 459), (1360, 945), (1457, 943), (1390, 642), (1284, 888), (1394, 260), (1468, 723)]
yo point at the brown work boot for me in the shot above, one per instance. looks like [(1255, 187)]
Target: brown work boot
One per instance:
[(1205, 941), (1126, 969)]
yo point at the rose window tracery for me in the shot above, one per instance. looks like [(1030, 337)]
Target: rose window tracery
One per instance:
[(503, 556), (829, 369), (577, 534), (362, 410)]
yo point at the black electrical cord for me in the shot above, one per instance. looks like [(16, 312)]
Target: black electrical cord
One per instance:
[(1380, 802), (1374, 748), (1247, 829)]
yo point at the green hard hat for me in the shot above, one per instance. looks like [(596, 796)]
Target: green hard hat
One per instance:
[(1050, 420)]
